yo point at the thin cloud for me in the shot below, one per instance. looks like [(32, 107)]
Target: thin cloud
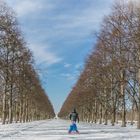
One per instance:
[(78, 66), (28, 7), (79, 24), (68, 76), (66, 65), (42, 55)]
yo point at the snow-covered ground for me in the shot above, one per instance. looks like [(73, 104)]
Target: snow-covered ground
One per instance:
[(58, 130)]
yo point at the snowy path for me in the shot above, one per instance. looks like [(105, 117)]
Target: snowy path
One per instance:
[(57, 130)]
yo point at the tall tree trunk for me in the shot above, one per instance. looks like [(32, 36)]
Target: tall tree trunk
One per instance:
[(95, 114), (106, 107), (4, 108), (113, 117), (10, 105), (123, 98), (21, 110), (16, 112), (27, 108), (24, 111), (106, 112), (106, 117), (92, 117), (138, 115), (132, 114), (101, 115)]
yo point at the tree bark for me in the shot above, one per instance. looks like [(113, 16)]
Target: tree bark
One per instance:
[(123, 98), (138, 115), (4, 109), (10, 105)]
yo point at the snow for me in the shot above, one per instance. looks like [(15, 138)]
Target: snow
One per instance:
[(58, 130)]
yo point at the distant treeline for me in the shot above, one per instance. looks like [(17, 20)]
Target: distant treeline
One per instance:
[(22, 98), (109, 86)]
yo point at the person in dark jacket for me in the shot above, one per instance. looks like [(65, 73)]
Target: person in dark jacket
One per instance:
[(74, 118)]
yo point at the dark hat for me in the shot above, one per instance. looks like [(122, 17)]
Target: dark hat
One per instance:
[(74, 110)]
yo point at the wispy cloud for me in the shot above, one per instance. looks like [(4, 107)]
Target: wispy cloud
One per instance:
[(66, 65), (68, 76), (75, 72), (29, 7), (43, 55), (76, 24), (78, 66)]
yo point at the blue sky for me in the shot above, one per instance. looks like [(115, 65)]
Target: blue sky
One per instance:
[(60, 33)]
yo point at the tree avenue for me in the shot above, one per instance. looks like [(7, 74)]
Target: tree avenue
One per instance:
[(108, 89), (22, 98)]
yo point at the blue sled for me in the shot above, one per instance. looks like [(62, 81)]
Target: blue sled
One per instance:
[(73, 128)]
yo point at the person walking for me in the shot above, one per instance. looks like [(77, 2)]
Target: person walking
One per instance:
[(74, 118)]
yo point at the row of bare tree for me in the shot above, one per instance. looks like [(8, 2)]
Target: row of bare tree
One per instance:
[(22, 98), (109, 87)]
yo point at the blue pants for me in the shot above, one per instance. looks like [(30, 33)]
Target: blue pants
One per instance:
[(73, 127)]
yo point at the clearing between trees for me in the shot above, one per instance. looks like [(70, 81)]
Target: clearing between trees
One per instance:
[(58, 130)]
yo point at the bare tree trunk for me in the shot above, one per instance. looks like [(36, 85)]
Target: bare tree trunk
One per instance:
[(106, 113), (132, 114), (123, 98), (106, 117), (27, 108), (4, 109), (113, 117), (100, 121), (92, 117), (10, 105), (138, 115), (106, 107), (95, 114), (21, 110), (17, 113), (24, 111), (83, 113)]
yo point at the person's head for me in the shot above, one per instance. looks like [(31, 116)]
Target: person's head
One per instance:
[(74, 110)]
